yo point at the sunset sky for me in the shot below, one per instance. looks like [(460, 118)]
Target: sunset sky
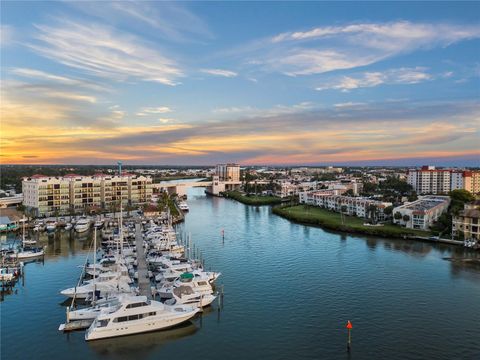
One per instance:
[(254, 83)]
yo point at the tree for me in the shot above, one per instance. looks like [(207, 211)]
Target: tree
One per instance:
[(459, 198), (397, 216), (388, 210), (461, 195), (349, 192), (413, 196), (406, 218)]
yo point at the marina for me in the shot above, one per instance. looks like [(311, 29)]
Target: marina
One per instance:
[(269, 266)]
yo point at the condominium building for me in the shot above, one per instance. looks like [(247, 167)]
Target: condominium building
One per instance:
[(48, 195), (354, 206), (468, 221), (429, 180), (471, 181), (228, 172), (85, 192), (422, 213)]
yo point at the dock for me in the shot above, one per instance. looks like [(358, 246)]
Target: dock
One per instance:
[(75, 325), (143, 279)]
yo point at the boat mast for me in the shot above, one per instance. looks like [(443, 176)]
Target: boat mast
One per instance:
[(23, 231), (94, 263), (121, 209)]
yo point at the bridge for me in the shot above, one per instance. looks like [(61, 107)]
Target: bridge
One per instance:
[(214, 187), (11, 200)]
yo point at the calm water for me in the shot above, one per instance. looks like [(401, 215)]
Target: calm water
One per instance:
[(289, 290)]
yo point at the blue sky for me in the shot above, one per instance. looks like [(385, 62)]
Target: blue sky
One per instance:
[(256, 83)]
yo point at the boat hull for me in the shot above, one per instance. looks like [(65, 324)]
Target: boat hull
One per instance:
[(142, 327)]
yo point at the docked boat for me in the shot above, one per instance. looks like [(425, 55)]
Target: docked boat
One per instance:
[(138, 315), (110, 286), (51, 225), (68, 227), (91, 312), (199, 284), (98, 224), (183, 206), (187, 296), (82, 225), (30, 253)]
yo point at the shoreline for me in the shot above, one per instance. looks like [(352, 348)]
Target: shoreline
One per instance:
[(352, 225), (252, 200)]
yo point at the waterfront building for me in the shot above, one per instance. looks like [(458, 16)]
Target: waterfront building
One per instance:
[(49, 195), (46, 195), (429, 180), (422, 213), (468, 221), (85, 192), (353, 206), (228, 172)]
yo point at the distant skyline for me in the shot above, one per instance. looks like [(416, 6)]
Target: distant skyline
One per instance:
[(270, 83)]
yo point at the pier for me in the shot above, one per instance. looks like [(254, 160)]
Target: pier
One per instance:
[(143, 279)]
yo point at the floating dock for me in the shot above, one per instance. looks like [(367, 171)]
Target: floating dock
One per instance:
[(143, 279), (75, 325)]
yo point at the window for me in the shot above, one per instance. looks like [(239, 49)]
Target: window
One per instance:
[(121, 319), (135, 305)]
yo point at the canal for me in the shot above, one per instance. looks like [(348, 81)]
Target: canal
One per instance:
[(289, 291)]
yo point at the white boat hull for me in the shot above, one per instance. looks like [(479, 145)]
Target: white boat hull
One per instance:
[(137, 327)]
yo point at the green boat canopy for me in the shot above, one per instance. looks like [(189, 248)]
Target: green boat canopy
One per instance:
[(186, 275)]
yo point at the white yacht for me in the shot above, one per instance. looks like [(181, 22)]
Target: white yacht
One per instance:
[(138, 315), (30, 253), (91, 312), (82, 225), (109, 286), (187, 296), (51, 225), (183, 206), (98, 224), (199, 284), (68, 227)]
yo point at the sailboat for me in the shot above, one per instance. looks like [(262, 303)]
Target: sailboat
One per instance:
[(28, 252), (26, 241)]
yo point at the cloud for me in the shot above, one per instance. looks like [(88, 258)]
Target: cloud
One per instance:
[(49, 77), (220, 72), (6, 35), (324, 49), (288, 134), (372, 79), (171, 21), (103, 52), (154, 110), (166, 120)]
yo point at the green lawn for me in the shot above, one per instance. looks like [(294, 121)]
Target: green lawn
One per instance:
[(332, 220), (253, 200)]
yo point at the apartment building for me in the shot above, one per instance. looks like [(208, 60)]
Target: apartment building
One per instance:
[(85, 192), (429, 180), (228, 172), (47, 195), (471, 181), (354, 206), (422, 213), (468, 221)]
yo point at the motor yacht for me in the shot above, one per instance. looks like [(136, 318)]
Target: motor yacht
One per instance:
[(138, 315), (82, 225)]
